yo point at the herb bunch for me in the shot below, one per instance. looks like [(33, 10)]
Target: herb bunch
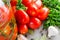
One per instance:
[(54, 16)]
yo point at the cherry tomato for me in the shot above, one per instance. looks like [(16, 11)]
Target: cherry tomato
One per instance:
[(32, 12), (32, 6), (34, 23), (21, 17), (43, 13), (32, 3), (26, 2), (13, 2), (23, 29), (38, 4)]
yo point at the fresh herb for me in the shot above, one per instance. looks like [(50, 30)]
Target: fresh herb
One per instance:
[(54, 16), (20, 5)]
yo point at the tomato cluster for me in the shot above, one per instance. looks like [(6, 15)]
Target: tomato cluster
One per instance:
[(32, 17)]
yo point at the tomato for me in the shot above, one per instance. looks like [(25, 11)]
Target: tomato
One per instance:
[(34, 23), (7, 30), (21, 17), (32, 12), (23, 29), (32, 6), (5, 15), (26, 2), (13, 2), (13, 5), (43, 13), (32, 3), (39, 4)]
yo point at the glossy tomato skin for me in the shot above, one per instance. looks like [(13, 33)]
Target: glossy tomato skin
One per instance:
[(26, 2), (34, 23), (35, 4), (38, 4), (32, 12), (32, 3), (43, 13), (21, 17), (32, 6), (23, 29), (13, 2)]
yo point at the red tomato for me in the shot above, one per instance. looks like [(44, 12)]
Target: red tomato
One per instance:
[(26, 2), (36, 4), (23, 29), (39, 3), (32, 12), (34, 23), (21, 17), (33, 6), (13, 2), (43, 13), (32, 3)]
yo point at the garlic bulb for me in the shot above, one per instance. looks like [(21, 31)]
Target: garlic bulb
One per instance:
[(21, 37), (52, 31)]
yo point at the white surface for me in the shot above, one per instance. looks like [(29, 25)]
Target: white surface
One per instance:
[(37, 34), (21, 37)]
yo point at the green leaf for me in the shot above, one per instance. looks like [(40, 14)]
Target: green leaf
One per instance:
[(20, 5)]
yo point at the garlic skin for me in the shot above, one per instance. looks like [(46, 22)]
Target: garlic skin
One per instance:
[(21, 37), (52, 31)]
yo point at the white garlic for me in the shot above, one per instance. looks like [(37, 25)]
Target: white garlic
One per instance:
[(52, 31), (21, 37)]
